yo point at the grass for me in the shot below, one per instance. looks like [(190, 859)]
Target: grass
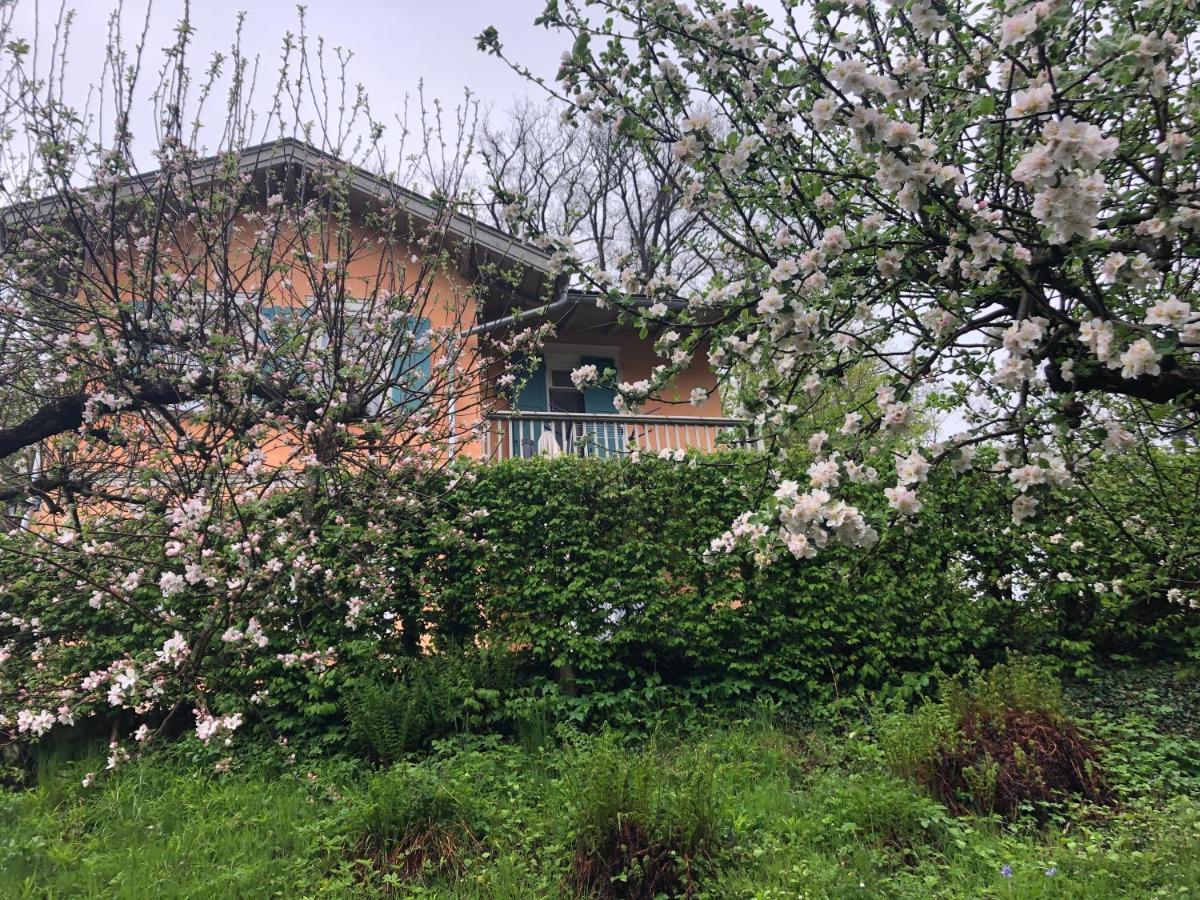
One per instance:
[(157, 829), (735, 809)]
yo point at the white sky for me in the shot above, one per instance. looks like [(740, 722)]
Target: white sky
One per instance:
[(395, 44)]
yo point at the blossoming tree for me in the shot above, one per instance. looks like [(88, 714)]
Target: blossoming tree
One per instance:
[(993, 206), (184, 346)]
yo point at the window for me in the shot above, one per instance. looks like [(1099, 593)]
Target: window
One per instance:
[(564, 396), (563, 359), (547, 385), (406, 379), (412, 372)]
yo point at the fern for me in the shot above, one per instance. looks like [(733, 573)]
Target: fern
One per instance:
[(432, 696)]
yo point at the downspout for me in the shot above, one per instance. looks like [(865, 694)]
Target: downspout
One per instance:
[(561, 301)]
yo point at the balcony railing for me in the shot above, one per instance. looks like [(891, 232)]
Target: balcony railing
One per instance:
[(524, 434)]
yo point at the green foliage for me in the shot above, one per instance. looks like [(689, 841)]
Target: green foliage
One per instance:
[(164, 828), (645, 822), (408, 826), (1147, 723), (597, 569), (910, 743), (879, 811), (593, 573), (404, 800), (766, 812), (1020, 683), (427, 697), (994, 740)]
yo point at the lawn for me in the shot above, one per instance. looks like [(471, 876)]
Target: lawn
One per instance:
[(754, 805)]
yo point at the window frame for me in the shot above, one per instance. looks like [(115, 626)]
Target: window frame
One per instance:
[(568, 357)]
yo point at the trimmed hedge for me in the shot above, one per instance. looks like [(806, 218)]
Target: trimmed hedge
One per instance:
[(597, 566), (594, 572)]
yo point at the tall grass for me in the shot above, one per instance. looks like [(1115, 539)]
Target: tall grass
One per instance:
[(747, 809), (644, 820)]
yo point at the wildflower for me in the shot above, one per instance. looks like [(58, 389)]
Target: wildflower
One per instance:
[(1006, 870)]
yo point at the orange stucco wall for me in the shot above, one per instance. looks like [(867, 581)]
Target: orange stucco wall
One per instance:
[(450, 306)]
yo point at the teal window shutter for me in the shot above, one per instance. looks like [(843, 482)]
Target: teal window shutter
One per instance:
[(270, 314), (532, 396), (411, 373), (599, 399), (608, 437)]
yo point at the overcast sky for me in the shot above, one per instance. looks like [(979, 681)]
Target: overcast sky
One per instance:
[(395, 43)]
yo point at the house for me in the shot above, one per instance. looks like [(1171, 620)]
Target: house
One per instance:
[(547, 414), (499, 286)]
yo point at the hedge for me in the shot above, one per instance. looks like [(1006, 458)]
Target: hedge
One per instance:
[(594, 573)]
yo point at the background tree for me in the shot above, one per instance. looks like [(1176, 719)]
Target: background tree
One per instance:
[(577, 178)]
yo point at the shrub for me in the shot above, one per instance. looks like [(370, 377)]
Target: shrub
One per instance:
[(997, 741), (1021, 683), (912, 742), (1022, 758), (432, 696), (595, 569)]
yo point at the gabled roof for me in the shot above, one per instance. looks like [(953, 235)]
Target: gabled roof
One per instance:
[(289, 157)]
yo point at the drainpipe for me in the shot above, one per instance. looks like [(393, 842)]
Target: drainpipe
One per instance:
[(562, 301)]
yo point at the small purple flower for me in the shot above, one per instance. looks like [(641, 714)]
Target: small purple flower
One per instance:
[(1006, 871), (1052, 871)]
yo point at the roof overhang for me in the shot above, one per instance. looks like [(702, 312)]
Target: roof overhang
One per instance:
[(474, 245), (570, 311)]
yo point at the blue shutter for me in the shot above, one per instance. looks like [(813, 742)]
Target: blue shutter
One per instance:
[(267, 319), (599, 399), (607, 437), (269, 315), (411, 373), (532, 396)]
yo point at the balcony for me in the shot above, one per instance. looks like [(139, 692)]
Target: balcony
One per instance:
[(510, 435)]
